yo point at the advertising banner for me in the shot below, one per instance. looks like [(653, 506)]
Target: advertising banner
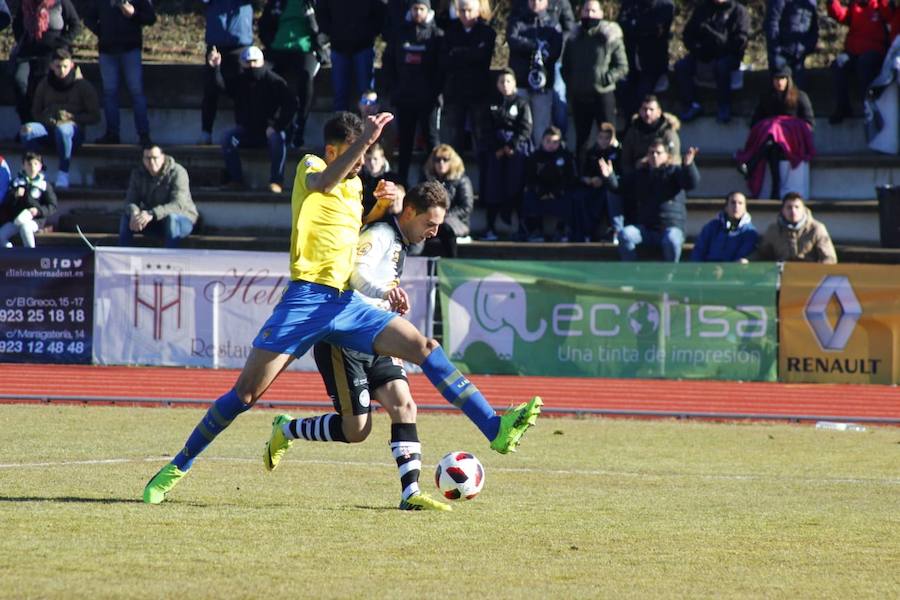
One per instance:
[(697, 321), (198, 308), (46, 305), (840, 323)]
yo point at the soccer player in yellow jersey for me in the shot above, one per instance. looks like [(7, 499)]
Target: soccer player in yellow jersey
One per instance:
[(318, 305)]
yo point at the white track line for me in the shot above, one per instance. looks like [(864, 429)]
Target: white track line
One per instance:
[(563, 472)]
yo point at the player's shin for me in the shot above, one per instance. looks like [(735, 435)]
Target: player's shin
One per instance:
[(217, 418), (407, 452)]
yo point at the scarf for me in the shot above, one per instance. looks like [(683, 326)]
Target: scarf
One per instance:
[(64, 84), (37, 16), (793, 226)]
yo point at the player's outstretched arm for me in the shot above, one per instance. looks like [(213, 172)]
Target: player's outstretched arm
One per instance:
[(338, 169)]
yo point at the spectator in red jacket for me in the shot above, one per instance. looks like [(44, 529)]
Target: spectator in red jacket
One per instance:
[(864, 48)]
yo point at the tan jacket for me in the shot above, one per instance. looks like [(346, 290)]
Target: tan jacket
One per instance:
[(809, 243)]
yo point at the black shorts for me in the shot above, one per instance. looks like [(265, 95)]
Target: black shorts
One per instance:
[(349, 375)]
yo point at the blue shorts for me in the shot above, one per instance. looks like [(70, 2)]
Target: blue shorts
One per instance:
[(310, 313)]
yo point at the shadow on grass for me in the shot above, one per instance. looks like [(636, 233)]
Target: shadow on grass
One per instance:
[(70, 499)]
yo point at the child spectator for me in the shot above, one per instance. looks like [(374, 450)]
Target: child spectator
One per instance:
[(549, 178), (375, 168), (592, 199), (31, 200), (447, 168), (796, 236), (730, 237)]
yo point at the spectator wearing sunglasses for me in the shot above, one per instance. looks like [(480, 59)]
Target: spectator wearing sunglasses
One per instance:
[(446, 167)]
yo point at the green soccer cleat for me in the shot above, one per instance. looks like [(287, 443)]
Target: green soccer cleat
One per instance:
[(514, 424), (277, 444), (162, 483), (424, 502)]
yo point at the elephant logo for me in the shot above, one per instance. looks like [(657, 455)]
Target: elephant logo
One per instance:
[(490, 310)]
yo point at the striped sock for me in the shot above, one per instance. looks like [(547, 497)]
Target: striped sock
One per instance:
[(407, 452), (460, 392), (324, 428), (217, 418)]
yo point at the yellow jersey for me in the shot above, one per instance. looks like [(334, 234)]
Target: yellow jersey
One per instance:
[(325, 228)]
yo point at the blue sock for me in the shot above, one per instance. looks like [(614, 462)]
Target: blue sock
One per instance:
[(217, 418), (460, 392)]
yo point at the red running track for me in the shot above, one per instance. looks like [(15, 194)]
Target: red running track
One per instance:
[(625, 397)]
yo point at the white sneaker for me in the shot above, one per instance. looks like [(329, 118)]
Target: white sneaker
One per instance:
[(62, 180)]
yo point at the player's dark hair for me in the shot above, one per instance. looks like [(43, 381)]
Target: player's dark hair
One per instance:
[(792, 196), (425, 195), (341, 127)]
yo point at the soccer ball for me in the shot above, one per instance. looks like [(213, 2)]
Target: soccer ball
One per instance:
[(459, 476)]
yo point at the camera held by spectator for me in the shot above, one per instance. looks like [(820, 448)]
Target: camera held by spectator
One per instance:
[(537, 75)]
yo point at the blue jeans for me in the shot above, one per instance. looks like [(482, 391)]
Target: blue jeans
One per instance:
[(361, 66), (670, 240), (590, 205), (686, 68), (172, 229), (239, 137), (66, 136), (128, 63)]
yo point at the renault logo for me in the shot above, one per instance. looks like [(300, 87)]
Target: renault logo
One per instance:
[(839, 288)]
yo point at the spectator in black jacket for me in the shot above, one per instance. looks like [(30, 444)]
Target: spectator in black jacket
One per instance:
[(410, 66), (351, 26), (716, 35), (549, 178), (36, 39), (447, 168), (118, 25), (647, 25), (263, 109), (792, 32), (506, 135), (466, 68), (30, 200), (657, 189), (591, 199)]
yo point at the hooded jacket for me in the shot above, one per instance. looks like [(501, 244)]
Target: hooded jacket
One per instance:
[(647, 25), (594, 60), (792, 28), (868, 27), (658, 193), (717, 30), (410, 65), (39, 194), (77, 96), (808, 241), (259, 103), (167, 193), (466, 62), (63, 29), (115, 32), (719, 241), (639, 136)]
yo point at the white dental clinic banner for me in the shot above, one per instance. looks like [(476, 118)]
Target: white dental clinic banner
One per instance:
[(200, 308)]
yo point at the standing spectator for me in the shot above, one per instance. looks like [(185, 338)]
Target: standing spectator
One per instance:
[(781, 129), (716, 35), (507, 141), (263, 109), (591, 198), (535, 43), (549, 178), (593, 63), (647, 25), (31, 201), (792, 32), (64, 105), (864, 49), (466, 70), (411, 73), (796, 236), (158, 201), (730, 237), (352, 26), (447, 168), (118, 25), (39, 27), (229, 31), (648, 124), (375, 169), (657, 189), (289, 31)]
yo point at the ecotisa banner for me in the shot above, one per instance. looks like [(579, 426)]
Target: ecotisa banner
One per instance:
[(695, 320)]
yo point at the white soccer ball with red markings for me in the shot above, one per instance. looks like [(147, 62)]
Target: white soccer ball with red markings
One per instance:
[(459, 476)]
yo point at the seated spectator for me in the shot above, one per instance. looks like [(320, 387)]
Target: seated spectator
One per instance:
[(647, 25), (375, 168), (351, 26), (591, 198), (593, 62), (466, 70), (263, 109), (64, 105), (657, 189), (864, 49), (650, 123), (410, 68), (781, 129), (118, 26), (730, 237), (31, 200), (796, 236), (447, 168), (549, 178), (506, 133), (39, 27), (792, 32), (158, 201), (716, 34)]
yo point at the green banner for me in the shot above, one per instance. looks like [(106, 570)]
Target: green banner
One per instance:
[(691, 321)]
